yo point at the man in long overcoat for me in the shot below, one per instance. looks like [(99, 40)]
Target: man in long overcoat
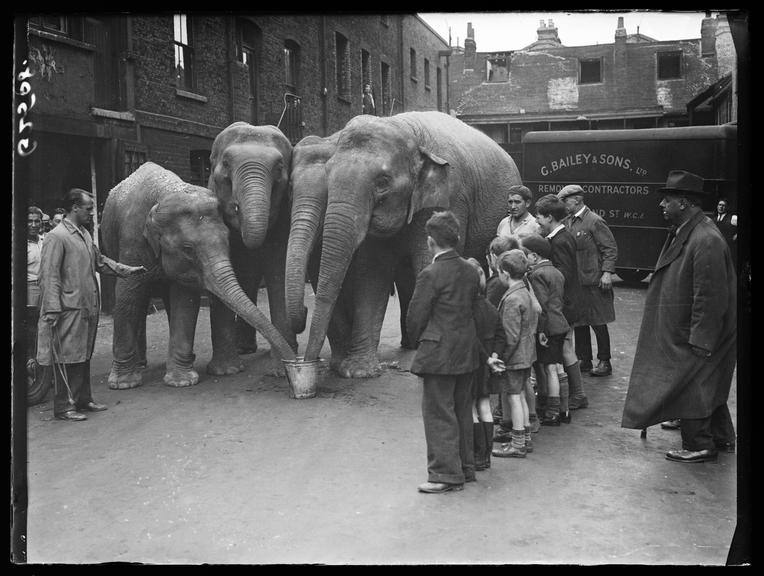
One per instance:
[(596, 254), (686, 350), (69, 306)]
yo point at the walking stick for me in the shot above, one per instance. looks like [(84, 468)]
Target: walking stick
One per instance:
[(61, 367)]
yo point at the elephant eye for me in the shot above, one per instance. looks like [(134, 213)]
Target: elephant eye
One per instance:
[(382, 181)]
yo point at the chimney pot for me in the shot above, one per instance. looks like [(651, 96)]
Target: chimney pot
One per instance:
[(551, 23), (542, 24), (620, 21)]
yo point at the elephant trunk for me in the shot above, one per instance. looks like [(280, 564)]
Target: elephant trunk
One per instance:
[(252, 184), (341, 238), (307, 214), (220, 279)]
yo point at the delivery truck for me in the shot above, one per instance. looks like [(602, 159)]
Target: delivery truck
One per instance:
[(620, 171)]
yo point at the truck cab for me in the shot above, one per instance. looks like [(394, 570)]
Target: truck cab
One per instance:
[(620, 170)]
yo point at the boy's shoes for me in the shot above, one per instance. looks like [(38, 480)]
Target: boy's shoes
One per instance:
[(439, 487), (553, 420), (603, 368), (535, 425), (578, 403), (502, 435), (565, 417), (506, 450)]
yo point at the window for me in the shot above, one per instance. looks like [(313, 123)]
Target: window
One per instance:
[(412, 63), (184, 52), (342, 58), (132, 158), (291, 64), (386, 104), (590, 71), (71, 26), (365, 67), (247, 39), (200, 167), (669, 65), (496, 68), (426, 73)]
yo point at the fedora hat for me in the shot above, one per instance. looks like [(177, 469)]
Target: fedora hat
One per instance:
[(570, 190), (683, 182)]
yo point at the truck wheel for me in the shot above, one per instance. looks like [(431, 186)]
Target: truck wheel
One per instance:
[(632, 276), (38, 382)]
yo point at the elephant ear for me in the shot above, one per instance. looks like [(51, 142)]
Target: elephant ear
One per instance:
[(152, 232), (431, 190)]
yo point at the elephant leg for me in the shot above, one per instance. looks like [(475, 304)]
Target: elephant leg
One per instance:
[(180, 357), (131, 301), (405, 281), (225, 359), (372, 275), (340, 329), (250, 277)]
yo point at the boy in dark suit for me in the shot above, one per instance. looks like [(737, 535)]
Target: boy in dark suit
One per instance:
[(440, 320)]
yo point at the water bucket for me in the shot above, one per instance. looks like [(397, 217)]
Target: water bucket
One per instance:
[(302, 377)]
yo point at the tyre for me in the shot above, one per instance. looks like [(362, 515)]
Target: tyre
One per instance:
[(38, 382), (632, 276)]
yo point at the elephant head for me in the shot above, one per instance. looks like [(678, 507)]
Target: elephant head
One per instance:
[(308, 194), (249, 173), (380, 176), (190, 241)]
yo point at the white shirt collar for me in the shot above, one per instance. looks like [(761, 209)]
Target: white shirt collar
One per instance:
[(441, 252), (556, 230), (578, 214)]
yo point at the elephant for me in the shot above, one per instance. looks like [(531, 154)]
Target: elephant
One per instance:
[(174, 229), (249, 174), (386, 177), (308, 195)]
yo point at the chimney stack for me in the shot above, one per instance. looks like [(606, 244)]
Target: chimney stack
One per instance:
[(620, 31), (708, 36), (548, 34), (470, 47)]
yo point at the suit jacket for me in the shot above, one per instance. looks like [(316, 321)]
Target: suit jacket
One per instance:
[(440, 317), (564, 259), (549, 286), (726, 227), (691, 300), (597, 251)]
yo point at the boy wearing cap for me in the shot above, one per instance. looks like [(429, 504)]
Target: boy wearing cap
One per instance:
[(549, 286), (687, 346), (519, 320), (596, 253)]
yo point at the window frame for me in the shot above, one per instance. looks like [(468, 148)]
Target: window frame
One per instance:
[(581, 62), (662, 56), (413, 64), (184, 23), (342, 66), (292, 62)]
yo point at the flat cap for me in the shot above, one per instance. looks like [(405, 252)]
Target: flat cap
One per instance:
[(570, 190)]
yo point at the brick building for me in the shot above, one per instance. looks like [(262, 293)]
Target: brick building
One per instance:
[(112, 92), (636, 82)]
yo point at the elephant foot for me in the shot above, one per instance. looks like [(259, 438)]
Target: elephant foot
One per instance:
[(181, 378), (124, 380), (275, 368), (366, 366), (246, 348), (406, 345), (225, 366)]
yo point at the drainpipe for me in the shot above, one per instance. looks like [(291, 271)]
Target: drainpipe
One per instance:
[(322, 56), (402, 65), (230, 59)]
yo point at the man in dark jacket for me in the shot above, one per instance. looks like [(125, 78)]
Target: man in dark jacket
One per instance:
[(440, 320), (596, 253), (686, 350)]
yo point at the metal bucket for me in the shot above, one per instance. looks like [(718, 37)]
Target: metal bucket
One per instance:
[(302, 377)]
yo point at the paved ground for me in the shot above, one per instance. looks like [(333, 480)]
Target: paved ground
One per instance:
[(234, 471)]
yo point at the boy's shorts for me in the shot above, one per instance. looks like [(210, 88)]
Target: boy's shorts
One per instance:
[(514, 380), (552, 352)]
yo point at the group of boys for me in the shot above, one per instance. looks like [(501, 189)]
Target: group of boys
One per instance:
[(537, 290)]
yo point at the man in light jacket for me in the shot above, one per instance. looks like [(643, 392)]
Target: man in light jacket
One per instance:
[(69, 306)]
